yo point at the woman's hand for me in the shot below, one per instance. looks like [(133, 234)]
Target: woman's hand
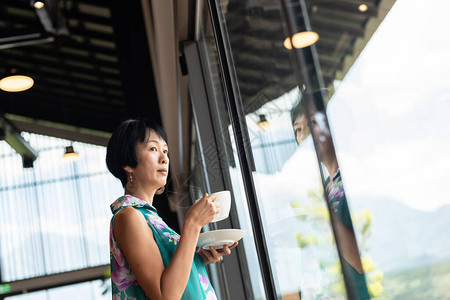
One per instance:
[(212, 256), (203, 210)]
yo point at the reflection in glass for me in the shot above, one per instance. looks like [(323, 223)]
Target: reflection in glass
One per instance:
[(299, 238), (311, 110), (301, 115), (395, 186), (290, 194), (392, 137)]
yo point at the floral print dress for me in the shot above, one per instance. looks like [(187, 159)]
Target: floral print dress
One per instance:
[(124, 283), (338, 202), (339, 206)]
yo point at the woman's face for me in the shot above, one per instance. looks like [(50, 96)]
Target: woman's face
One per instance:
[(301, 128), (153, 161)]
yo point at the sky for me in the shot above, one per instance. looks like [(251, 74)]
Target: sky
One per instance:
[(390, 113)]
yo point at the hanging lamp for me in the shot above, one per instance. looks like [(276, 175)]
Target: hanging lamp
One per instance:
[(16, 82), (70, 154), (263, 123), (37, 4), (301, 40)]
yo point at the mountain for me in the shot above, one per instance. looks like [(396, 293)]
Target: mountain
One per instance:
[(402, 237)]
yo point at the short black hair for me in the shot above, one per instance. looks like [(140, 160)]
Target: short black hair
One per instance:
[(299, 107), (121, 149), (297, 110)]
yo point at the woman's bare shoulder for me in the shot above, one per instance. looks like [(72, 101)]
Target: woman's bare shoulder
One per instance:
[(127, 212), (129, 221)]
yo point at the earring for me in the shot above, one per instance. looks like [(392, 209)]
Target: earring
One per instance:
[(131, 177), (160, 190)]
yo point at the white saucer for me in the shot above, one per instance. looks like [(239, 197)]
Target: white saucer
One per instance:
[(218, 238)]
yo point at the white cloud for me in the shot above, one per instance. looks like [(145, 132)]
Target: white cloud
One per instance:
[(390, 114), (413, 172)]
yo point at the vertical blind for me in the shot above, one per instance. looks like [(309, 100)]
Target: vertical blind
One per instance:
[(55, 216)]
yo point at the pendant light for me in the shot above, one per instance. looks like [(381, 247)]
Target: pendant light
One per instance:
[(16, 82), (70, 154), (37, 4), (363, 7), (263, 123), (301, 40)]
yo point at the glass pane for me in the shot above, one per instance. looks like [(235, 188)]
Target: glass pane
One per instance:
[(210, 65), (309, 118), (392, 133), (287, 176), (55, 216)]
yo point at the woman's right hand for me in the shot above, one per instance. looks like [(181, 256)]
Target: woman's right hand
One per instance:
[(203, 210)]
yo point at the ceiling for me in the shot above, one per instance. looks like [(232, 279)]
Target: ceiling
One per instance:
[(91, 68), (261, 59)]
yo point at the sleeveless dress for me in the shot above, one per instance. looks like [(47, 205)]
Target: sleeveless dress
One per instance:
[(124, 283), (339, 206)]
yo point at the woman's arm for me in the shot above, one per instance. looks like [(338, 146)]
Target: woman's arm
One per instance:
[(348, 245), (135, 239)]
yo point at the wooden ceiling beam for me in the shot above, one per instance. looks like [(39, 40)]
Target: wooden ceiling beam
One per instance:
[(89, 34), (112, 80), (83, 17), (55, 102), (40, 106), (46, 49)]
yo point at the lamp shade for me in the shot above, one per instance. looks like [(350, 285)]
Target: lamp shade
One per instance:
[(363, 7), (70, 154), (37, 4), (263, 123), (15, 82), (301, 40)]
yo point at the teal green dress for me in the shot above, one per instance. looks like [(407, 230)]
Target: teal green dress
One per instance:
[(339, 206), (124, 283)]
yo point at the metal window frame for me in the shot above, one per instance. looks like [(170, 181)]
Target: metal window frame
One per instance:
[(244, 152), (46, 282), (231, 272)]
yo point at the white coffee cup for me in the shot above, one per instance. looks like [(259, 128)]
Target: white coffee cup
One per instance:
[(224, 199)]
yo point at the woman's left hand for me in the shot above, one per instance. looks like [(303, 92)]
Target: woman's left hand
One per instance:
[(215, 255)]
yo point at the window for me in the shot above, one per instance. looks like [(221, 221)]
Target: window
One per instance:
[(55, 216)]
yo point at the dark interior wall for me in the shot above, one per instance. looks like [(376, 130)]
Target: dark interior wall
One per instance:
[(137, 78), (135, 62)]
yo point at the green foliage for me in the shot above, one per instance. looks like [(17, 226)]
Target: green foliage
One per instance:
[(315, 210), (374, 276), (428, 282), (303, 241)]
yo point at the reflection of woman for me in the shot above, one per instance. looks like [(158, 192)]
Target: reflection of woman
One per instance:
[(148, 259), (351, 262)]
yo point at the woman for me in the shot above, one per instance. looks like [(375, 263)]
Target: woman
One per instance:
[(318, 126), (148, 259)]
